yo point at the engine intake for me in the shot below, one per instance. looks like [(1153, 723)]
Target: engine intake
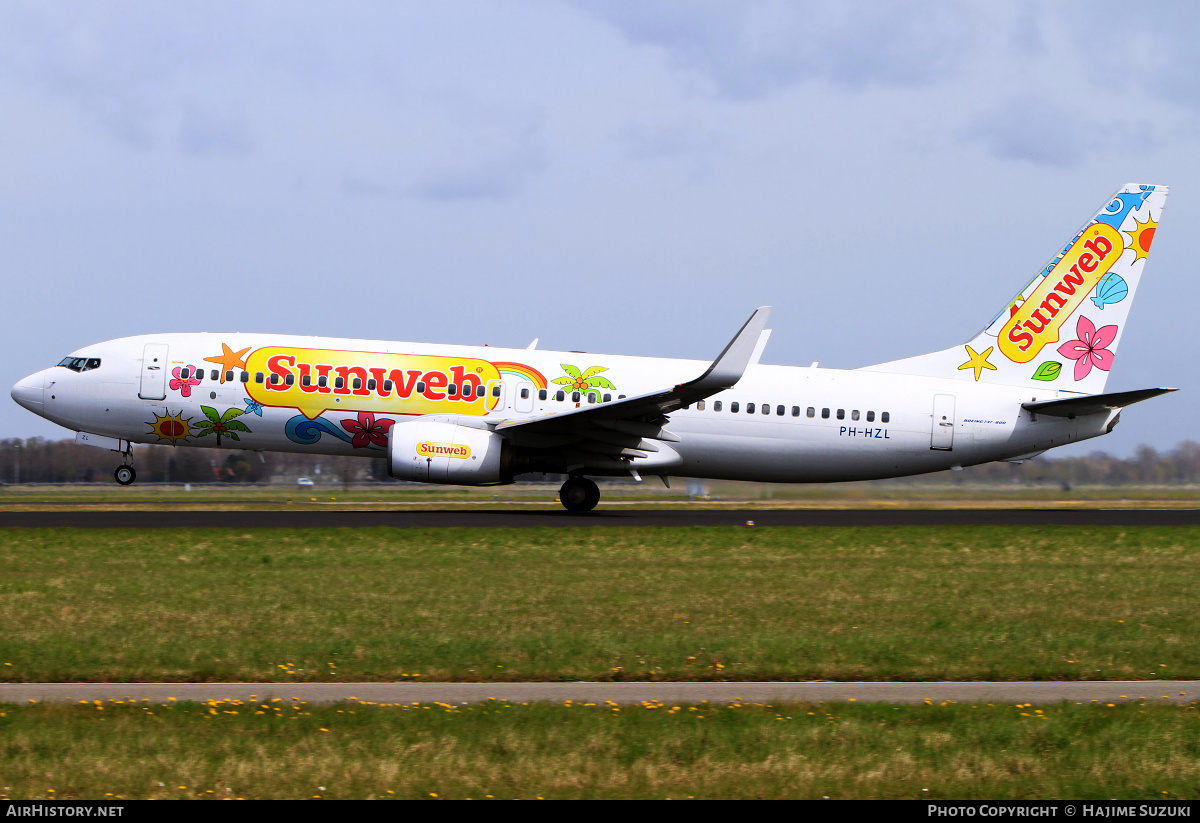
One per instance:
[(441, 451)]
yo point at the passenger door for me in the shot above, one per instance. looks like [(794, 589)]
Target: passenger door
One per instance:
[(154, 372), (942, 437)]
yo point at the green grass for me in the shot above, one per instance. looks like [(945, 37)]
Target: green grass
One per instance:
[(586, 751), (918, 603)]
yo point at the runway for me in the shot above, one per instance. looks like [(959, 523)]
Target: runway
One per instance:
[(530, 518), (1040, 692)]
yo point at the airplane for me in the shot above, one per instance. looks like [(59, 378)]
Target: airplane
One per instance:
[(1031, 380)]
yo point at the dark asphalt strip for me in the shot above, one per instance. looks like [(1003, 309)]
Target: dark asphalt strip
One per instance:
[(526, 518)]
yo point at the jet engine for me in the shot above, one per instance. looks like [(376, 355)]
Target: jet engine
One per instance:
[(442, 451)]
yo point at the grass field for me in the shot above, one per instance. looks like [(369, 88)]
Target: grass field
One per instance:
[(575, 603), (283, 750)]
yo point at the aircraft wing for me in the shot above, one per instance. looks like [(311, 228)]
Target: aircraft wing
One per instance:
[(1092, 403), (620, 429)]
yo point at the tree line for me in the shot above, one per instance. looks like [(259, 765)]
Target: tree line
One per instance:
[(37, 460)]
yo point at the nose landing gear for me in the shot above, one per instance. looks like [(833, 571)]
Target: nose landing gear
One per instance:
[(579, 495), (125, 474)]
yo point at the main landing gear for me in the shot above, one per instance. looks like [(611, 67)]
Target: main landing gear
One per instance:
[(579, 495), (125, 475)]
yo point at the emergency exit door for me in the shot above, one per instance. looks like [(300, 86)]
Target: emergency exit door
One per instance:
[(942, 437), (154, 372)]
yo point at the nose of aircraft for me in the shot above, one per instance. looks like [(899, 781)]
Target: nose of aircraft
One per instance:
[(29, 392)]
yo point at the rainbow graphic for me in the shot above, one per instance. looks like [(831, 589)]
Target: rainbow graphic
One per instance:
[(522, 371)]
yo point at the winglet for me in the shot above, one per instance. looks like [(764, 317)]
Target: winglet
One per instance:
[(730, 365)]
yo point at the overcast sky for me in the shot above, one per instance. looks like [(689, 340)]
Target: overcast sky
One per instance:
[(619, 177)]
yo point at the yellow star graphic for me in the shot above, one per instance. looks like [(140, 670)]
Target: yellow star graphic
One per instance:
[(231, 360), (977, 361)]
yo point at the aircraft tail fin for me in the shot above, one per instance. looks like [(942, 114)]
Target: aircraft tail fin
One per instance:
[(1062, 330)]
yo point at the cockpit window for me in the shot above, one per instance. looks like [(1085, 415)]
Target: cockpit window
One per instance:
[(80, 364)]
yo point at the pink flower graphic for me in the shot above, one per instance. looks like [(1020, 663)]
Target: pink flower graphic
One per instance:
[(184, 386), (1091, 349), (367, 430)]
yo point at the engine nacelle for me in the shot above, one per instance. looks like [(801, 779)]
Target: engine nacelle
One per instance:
[(441, 451)]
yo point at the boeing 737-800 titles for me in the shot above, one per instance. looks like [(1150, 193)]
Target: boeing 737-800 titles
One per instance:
[(1031, 380)]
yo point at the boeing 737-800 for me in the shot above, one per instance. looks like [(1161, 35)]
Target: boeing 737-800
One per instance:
[(1031, 380)]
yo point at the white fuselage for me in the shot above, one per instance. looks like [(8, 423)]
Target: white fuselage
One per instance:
[(878, 424)]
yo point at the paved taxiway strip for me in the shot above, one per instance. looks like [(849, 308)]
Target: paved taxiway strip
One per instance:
[(524, 518), (1040, 692)]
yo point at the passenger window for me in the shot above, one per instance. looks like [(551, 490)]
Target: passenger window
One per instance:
[(291, 380), (854, 414), (716, 405), (215, 374), (199, 375), (885, 417), (766, 408), (870, 417), (811, 412), (452, 390), (795, 411), (495, 389), (779, 411), (274, 379), (574, 397), (699, 405), (229, 377), (387, 386), (323, 381), (841, 415), (620, 397), (420, 387), (246, 377), (749, 408), (608, 399), (542, 394), (258, 377), (560, 396), (481, 391), (591, 397), (824, 414), (371, 384), (354, 384), (185, 373), (524, 394), (733, 407)]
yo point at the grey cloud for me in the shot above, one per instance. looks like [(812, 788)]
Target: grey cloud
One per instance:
[(208, 130), (1035, 130), (463, 151), (749, 49), (681, 137), (1153, 47)]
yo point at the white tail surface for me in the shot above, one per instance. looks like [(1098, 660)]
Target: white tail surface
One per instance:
[(1062, 330)]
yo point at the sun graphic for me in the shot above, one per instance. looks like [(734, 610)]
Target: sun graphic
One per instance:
[(1143, 236), (171, 428)]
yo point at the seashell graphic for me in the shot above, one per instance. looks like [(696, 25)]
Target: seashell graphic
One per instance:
[(1112, 289), (1048, 371)]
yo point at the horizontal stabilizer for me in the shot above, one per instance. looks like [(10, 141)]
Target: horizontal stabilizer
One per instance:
[(1093, 403)]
